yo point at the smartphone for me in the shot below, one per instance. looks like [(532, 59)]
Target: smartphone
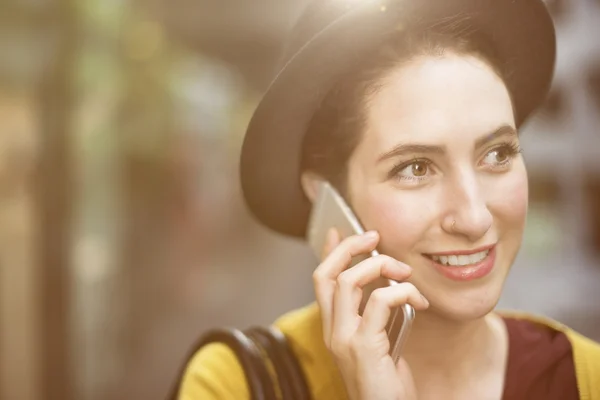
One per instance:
[(330, 210)]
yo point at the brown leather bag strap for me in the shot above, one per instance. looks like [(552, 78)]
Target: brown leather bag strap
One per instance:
[(258, 379), (249, 347), (290, 376)]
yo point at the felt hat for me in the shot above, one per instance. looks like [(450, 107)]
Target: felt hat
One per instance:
[(334, 34)]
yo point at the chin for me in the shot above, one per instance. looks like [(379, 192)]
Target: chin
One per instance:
[(462, 302), (464, 311)]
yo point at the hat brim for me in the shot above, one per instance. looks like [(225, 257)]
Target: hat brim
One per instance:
[(524, 38)]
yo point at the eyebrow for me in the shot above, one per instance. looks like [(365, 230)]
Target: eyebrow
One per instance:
[(406, 149)]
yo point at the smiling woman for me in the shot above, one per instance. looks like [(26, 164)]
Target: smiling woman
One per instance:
[(411, 109), (458, 187)]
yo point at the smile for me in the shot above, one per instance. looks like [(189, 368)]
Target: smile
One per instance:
[(464, 265), (461, 260)]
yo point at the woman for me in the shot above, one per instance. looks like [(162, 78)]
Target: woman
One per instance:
[(412, 109)]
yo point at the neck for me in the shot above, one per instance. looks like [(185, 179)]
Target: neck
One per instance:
[(455, 349)]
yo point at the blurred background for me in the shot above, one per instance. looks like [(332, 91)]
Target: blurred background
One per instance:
[(122, 231)]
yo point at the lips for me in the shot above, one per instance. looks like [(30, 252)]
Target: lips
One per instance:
[(464, 266)]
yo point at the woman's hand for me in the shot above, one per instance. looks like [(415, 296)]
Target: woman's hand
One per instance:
[(360, 345)]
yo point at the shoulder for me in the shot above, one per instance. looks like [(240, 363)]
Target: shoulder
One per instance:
[(304, 331), (585, 353), (577, 340), (215, 373)]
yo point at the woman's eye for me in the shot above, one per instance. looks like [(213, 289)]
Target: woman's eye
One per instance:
[(418, 169), (414, 170), (501, 156), (497, 156)]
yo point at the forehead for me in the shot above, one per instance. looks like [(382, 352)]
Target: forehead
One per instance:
[(441, 99)]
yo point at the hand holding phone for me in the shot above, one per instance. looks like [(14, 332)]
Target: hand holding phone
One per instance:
[(362, 337), (331, 211)]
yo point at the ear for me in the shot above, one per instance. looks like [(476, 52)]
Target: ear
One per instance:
[(310, 184)]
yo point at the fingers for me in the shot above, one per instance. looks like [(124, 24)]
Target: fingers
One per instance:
[(373, 268), (338, 259), (360, 344), (378, 309), (348, 292)]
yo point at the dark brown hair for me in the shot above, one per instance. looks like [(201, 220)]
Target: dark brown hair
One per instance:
[(336, 128)]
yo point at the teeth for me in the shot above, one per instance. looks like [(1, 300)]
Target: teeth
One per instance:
[(461, 260), (473, 258), (464, 260)]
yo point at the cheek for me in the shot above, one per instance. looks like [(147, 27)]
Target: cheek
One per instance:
[(508, 200), (401, 218)]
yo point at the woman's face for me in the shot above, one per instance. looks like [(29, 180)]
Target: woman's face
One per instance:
[(439, 174)]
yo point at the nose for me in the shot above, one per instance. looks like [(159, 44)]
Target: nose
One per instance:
[(468, 214)]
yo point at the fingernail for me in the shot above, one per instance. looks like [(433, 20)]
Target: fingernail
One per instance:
[(371, 234), (406, 267)]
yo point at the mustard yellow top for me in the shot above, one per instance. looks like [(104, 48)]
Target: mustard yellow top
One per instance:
[(215, 374)]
